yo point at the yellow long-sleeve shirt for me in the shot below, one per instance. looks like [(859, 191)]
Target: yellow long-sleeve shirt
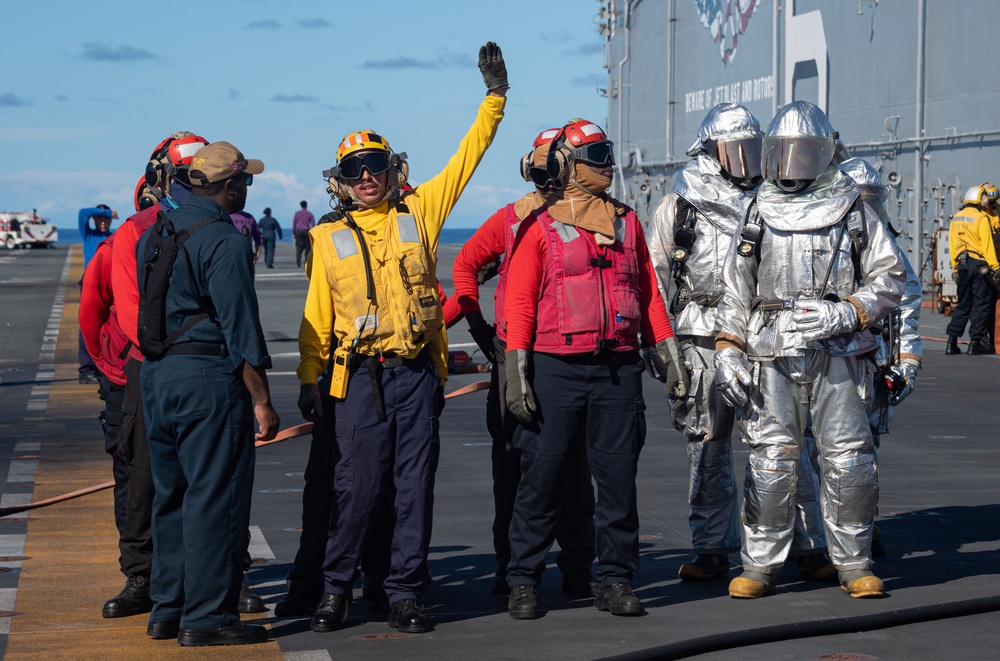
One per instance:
[(970, 232), (431, 203)]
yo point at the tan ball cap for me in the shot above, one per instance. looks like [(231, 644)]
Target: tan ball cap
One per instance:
[(220, 161)]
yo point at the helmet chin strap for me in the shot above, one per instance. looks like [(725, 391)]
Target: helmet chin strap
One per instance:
[(391, 193)]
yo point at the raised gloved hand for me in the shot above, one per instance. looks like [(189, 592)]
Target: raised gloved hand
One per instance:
[(520, 397), (492, 66), (484, 334), (732, 376), (819, 320), (310, 402), (677, 379), (905, 373)]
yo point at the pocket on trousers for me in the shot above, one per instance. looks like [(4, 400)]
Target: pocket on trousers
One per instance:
[(187, 394), (767, 499), (856, 489)]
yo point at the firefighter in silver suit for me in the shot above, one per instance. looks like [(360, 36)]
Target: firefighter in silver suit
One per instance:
[(691, 233), (902, 352), (812, 270)]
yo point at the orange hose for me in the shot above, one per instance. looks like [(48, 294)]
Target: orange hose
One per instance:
[(283, 435)]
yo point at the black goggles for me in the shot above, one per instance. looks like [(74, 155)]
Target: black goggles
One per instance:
[(595, 153), (541, 178), (376, 162)]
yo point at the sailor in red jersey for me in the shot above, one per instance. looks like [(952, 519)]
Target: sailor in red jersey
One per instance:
[(107, 346), (581, 299), (494, 241)]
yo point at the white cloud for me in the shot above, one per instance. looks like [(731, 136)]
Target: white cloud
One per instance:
[(483, 196)]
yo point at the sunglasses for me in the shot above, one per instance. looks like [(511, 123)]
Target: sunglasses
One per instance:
[(248, 178), (375, 162), (595, 153)]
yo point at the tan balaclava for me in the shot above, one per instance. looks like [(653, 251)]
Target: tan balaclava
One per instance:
[(584, 203), (533, 200)]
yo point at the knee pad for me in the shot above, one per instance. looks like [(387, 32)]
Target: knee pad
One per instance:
[(767, 494), (851, 484)]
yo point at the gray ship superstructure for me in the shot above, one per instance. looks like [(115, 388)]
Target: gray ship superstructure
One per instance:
[(909, 84)]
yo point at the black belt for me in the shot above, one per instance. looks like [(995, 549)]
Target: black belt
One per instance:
[(373, 364), (386, 360), (197, 350), (703, 299)]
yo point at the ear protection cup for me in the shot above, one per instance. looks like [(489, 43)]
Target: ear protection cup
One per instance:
[(399, 171), (526, 166), (556, 161), (338, 189), (154, 174)]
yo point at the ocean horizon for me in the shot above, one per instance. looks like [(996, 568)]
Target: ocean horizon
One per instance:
[(455, 235)]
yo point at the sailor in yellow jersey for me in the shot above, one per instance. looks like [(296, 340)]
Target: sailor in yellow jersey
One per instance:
[(970, 242), (377, 314)]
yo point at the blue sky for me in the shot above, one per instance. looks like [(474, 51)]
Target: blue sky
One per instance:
[(89, 88)]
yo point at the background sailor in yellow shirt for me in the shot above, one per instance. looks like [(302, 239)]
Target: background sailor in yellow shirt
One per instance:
[(377, 314), (970, 240)]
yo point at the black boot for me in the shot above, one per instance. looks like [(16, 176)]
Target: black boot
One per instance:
[(134, 599), (408, 617), (249, 601), (331, 613), (952, 347), (981, 347)]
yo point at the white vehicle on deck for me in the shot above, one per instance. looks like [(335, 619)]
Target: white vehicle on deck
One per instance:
[(26, 229)]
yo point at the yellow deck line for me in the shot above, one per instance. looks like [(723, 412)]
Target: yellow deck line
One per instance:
[(72, 547)]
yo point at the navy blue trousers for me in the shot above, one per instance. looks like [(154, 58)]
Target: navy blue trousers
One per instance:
[(136, 540), (199, 419), (591, 403), (575, 527), (269, 252), (975, 304), (306, 576), (402, 451), (111, 422)]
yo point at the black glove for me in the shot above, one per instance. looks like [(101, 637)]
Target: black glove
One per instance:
[(994, 279), (489, 271), (492, 66), (520, 397), (439, 400), (484, 334), (310, 402), (654, 364)]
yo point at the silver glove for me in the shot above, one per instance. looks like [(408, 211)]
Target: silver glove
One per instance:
[(820, 320), (677, 379), (732, 376), (906, 372)]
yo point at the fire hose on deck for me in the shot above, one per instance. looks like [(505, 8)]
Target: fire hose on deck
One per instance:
[(284, 435)]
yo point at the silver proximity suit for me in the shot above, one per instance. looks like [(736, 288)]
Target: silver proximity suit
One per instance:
[(703, 416), (797, 375), (905, 356)]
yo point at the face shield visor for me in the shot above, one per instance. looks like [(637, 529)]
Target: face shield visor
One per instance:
[(789, 160), (740, 157)]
